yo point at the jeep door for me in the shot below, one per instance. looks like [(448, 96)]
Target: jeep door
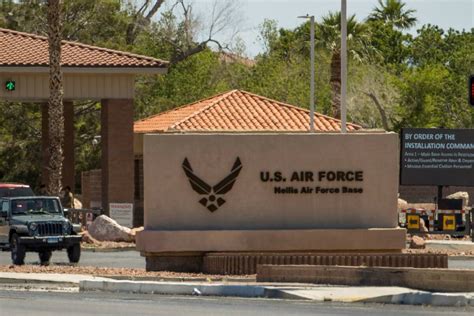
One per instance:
[(4, 223)]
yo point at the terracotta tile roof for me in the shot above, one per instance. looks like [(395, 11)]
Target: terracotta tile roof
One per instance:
[(237, 110), (24, 49)]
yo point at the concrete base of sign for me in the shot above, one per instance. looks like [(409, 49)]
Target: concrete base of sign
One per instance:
[(183, 250), (184, 262), (244, 263)]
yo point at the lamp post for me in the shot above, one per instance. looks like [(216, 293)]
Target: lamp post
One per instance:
[(343, 65), (311, 97)]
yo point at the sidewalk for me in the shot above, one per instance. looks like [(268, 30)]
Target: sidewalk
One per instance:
[(457, 245), (320, 293)]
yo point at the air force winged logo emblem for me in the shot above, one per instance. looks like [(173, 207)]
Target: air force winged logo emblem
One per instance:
[(213, 195)]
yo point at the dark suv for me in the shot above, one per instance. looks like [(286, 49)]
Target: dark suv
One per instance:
[(15, 189), (37, 224)]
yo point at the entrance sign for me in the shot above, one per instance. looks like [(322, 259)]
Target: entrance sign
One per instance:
[(272, 181), (267, 193), (437, 157), (122, 213)]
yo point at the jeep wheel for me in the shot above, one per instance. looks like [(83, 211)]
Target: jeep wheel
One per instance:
[(74, 253), (44, 257), (18, 251)]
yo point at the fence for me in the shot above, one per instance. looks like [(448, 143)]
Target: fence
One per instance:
[(82, 216)]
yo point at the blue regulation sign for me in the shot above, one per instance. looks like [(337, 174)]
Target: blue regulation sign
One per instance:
[(437, 157)]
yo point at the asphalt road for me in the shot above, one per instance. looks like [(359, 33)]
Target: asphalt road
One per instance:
[(120, 259), (95, 303), (132, 259)]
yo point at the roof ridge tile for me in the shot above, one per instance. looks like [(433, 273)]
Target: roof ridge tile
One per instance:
[(154, 62), (219, 97), (294, 106), (238, 110)]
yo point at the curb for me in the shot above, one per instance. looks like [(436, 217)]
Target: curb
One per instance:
[(178, 279), (427, 298), (174, 288)]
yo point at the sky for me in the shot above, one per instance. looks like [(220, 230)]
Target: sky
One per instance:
[(457, 14)]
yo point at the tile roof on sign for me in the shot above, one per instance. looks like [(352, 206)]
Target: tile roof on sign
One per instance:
[(236, 111), (30, 50)]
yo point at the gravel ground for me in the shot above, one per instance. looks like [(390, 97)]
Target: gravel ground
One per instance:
[(449, 252), (70, 269), (109, 245)]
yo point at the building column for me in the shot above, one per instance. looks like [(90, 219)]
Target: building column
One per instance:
[(68, 172), (68, 147), (117, 152)]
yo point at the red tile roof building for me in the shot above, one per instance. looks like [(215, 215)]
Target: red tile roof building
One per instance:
[(236, 111), (29, 50)]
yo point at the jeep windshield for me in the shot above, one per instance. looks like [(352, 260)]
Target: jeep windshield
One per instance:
[(35, 206)]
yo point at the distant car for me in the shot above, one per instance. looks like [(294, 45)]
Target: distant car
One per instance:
[(37, 224), (15, 189)]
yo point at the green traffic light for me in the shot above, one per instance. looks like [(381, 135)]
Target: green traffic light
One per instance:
[(10, 85)]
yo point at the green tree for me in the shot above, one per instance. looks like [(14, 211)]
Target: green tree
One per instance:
[(426, 99), (450, 53), (328, 35), (197, 73), (393, 12), (23, 15), (391, 45), (20, 142), (429, 46), (195, 78), (386, 23), (281, 72), (372, 96)]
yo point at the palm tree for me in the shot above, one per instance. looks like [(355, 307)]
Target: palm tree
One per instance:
[(393, 12), (358, 44), (55, 105)]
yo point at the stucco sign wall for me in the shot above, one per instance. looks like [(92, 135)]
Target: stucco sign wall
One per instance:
[(270, 181)]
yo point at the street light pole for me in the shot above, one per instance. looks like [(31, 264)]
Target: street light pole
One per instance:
[(311, 97), (311, 105), (343, 66)]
